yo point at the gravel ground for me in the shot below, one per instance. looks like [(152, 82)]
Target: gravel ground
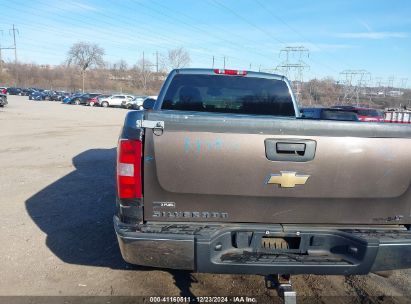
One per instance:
[(57, 238)]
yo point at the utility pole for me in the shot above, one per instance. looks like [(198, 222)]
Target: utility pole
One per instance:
[(157, 62), (213, 61), (298, 65), (14, 30), (377, 86), (144, 64), (224, 62)]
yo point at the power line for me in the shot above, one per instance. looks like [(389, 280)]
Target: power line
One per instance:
[(219, 30), (117, 34), (248, 22), (268, 10)]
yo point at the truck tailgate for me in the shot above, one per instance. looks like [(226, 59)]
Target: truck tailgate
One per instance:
[(241, 168)]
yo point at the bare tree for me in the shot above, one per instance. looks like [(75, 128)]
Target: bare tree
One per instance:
[(85, 55), (143, 73), (177, 58)]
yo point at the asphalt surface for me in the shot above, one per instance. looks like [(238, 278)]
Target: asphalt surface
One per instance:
[(57, 239)]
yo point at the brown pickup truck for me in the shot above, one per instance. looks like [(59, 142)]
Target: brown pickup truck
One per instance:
[(222, 175)]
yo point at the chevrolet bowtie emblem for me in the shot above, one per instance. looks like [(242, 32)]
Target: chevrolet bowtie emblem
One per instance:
[(287, 179)]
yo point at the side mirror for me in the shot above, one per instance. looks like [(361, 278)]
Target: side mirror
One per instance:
[(148, 104)]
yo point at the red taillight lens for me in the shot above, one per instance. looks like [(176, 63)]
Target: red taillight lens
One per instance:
[(129, 178), (230, 72)]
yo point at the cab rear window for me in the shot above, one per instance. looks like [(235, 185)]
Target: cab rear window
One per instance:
[(229, 94)]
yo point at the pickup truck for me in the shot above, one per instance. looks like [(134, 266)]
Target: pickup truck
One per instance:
[(221, 174)]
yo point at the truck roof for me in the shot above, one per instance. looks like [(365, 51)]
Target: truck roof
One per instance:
[(197, 71)]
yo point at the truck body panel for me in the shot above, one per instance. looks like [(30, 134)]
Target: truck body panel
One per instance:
[(227, 188)]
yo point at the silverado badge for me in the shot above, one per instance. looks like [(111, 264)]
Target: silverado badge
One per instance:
[(287, 179)]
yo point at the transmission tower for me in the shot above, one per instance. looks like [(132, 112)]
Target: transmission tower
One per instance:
[(391, 82), (14, 30), (354, 82), (403, 83), (293, 65), (378, 81)]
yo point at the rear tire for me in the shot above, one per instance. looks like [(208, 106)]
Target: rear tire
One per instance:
[(91, 104), (77, 102), (104, 104)]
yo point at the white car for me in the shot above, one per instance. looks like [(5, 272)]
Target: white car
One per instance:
[(136, 103), (116, 100)]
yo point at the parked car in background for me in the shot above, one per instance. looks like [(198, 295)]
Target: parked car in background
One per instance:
[(47, 94), (25, 92), (100, 98), (3, 90), (3, 99), (82, 99), (96, 101), (36, 95), (93, 101), (364, 114), (69, 99), (328, 114), (58, 96), (136, 103), (116, 100), (399, 115), (14, 91)]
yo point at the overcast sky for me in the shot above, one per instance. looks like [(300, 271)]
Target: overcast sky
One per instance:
[(372, 35)]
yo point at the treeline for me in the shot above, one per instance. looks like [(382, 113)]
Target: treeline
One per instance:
[(85, 70), (113, 78), (328, 92), (119, 77)]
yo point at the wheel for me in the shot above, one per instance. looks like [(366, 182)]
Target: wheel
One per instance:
[(104, 104), (77, 102), (91, 104)]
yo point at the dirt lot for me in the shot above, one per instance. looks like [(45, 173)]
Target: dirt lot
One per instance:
[(57, 238)]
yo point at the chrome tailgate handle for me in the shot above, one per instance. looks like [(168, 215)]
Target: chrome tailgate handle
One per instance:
[(150, 124), (294, 150)]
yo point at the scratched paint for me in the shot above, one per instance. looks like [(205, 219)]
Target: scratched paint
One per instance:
[(148, 158), (199, 145)]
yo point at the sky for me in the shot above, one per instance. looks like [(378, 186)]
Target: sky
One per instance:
[(371, 35)]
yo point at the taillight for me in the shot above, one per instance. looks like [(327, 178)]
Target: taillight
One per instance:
[(129, 178), (230, 72)]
